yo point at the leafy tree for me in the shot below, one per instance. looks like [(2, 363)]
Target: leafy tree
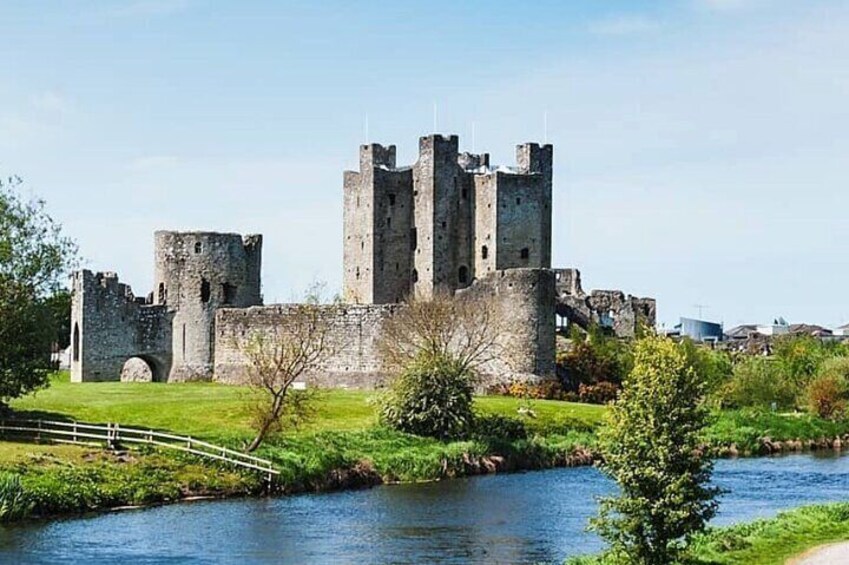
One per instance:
[(827, 393), (595, 358), (758, 382), (651, 448), (799, 357), (34, 257)]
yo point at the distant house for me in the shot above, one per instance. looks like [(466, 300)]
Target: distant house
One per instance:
[(810, 329), (742, 333), (842, 330)]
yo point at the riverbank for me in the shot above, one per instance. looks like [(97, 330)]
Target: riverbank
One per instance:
[(342, 448), (763, 542)]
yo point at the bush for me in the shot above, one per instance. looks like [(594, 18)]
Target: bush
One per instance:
[(594, 359), (800, 357), (432, 397), (543, 390), (826, 396), (600, 393), (758, 382), (15, 502)]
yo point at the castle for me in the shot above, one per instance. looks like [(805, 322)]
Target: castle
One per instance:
[(450, 221)]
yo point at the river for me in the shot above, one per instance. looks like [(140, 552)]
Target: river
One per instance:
[(518, 518)]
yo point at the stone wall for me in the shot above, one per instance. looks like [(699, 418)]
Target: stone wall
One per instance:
[(354, 362), (109, 325), (523, 297)]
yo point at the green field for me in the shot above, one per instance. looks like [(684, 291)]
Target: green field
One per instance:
[(218, 412)]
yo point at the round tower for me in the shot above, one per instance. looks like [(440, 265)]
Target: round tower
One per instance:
[(196, 274)]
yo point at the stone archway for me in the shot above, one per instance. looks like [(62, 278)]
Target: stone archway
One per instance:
[(143, 369)]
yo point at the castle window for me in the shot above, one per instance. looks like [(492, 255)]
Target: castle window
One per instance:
[(198, 247), (163, 294), (525, 253), (388, 223), (464, 194), (392, 200), (205, 291), (228, 293), (414, 239), (358, 273), (463, 275), (518, 201), (414, 276), (484, 252), (444, 224), (76, 342)]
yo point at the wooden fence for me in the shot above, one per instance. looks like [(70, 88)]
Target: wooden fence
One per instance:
[(115, 434)]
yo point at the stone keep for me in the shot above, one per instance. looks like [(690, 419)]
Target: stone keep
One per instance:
[(444, 221), (172, 330)]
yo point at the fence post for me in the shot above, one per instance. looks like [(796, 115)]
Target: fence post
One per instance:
[(75, 430), (38, 433)]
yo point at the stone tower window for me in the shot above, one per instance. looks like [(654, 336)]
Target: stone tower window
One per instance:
[(444, 224), (358, 273), (414, 276), (464, 194), (198, 247), (205, 291), (388, 223), (463, 275), (162, 294), (76, 342), (525, 253), (392, 200), (228, 293), (414, 239), (484, 252), (518, 201)]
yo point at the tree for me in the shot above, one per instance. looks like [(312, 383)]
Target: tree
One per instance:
[(34, 257), (467, 328), (651, 448), (434, 348), (279, 356)]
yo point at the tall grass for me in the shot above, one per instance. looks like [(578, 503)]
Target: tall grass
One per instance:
[(15, 502)]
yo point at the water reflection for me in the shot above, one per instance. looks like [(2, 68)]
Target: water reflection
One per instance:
[(524, 518)]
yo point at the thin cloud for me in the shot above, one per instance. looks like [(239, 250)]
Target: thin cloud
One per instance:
[(624, 25)]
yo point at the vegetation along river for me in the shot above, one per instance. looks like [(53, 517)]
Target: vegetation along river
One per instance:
[(519, 518)]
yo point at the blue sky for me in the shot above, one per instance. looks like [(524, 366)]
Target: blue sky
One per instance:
[(700, 145)]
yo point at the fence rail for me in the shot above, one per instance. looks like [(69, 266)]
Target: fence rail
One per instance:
[(114, 434)]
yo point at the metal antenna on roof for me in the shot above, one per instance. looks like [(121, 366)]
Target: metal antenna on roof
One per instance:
[(700, 307)]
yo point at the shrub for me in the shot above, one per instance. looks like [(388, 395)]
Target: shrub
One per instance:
[(799, 357), (594, 359), (600, 393), (15, 502), (758, 382), (826, 396), (543, 390), (431, 397), (652, 448)]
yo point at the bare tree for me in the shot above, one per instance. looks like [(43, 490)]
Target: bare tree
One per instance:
[(469, 328), (277, 357)]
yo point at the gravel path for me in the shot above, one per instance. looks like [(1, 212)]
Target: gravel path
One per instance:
[(834, 554)]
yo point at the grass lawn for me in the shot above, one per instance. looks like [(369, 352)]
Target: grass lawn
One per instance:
[(218, 412)]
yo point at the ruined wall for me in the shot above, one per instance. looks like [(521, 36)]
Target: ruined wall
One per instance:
[(109, 325), (197, 273), (523, 296), (354, 361), (622, 314)]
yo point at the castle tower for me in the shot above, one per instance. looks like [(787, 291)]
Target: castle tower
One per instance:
[(197, 273)]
